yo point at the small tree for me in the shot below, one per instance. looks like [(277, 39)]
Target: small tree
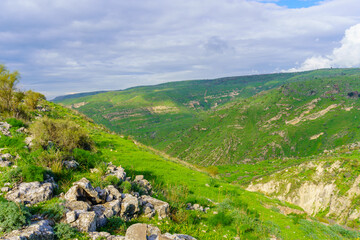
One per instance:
[(8, 83), (32, 99)]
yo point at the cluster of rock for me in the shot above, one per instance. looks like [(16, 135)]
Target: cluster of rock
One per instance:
[(196, 207), (88, 208)]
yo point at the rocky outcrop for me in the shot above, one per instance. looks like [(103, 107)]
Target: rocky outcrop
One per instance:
[(31, 193), (142, 231), (41, 230), (317, 192), (83, 191), (129, 207)]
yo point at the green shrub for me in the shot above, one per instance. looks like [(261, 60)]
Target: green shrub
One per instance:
[(344, 232), (126, 187), (16, 123), (13, 216), (112, 180), (64, 134), (85, 158), (115, 225), (64, 231), (222, 218), (52, 209), (13, 175), (31, 173)]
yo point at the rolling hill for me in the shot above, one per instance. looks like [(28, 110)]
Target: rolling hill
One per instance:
[(236, 120)]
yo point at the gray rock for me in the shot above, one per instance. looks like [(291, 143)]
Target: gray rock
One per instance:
[(129, 207), (36, 231), (113, 192), (31, 193), (6, 160), (140, 181), (119, 172), (149, 210), (178, 236), (29, 141), (22, 130), (142, 231), (77, 205), (4, 129), (71, 164), (104, 235), (85, 222), (83, 191), (5, 189), (106, 211), (162, 208)]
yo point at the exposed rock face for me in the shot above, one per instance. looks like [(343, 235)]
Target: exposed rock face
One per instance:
[(4, 129), (141, 231), (31, 193), (161, 208), (314, 194), (37, 231)]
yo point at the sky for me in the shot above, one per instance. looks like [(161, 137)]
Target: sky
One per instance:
[(65, 46)]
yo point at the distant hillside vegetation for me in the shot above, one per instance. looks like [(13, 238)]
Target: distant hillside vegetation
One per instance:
[(236, 120)]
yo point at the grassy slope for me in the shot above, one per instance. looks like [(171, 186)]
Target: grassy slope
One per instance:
[(241, 127), (131, 112), (178, 184)]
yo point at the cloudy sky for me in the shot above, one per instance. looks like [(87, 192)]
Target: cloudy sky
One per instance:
[(66, 46)]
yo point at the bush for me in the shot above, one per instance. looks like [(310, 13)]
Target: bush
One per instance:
[(85, 158), (50, 209), (126, 187), (112, 180), (13, 175), (115, 225), (13, 216), (222, 218), (212, 170), (64, 134), (65, 231), (15, 122), (31, 173)]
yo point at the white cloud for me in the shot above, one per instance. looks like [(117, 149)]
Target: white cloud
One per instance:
[(347, 55), (64, 46)]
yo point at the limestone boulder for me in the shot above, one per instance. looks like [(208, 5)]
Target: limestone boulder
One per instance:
[(142, 231), (41, 230), (129, 207), (116, 171), (162, 208), (85, 221), (144, 184), (31, 193), (83, 191), (104, 235), (5, 129)]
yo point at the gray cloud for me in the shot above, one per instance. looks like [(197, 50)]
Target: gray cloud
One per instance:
[(63, 46)]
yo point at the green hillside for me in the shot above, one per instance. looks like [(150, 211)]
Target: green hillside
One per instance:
[(157, 115), (233, 212), (236, 120)]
